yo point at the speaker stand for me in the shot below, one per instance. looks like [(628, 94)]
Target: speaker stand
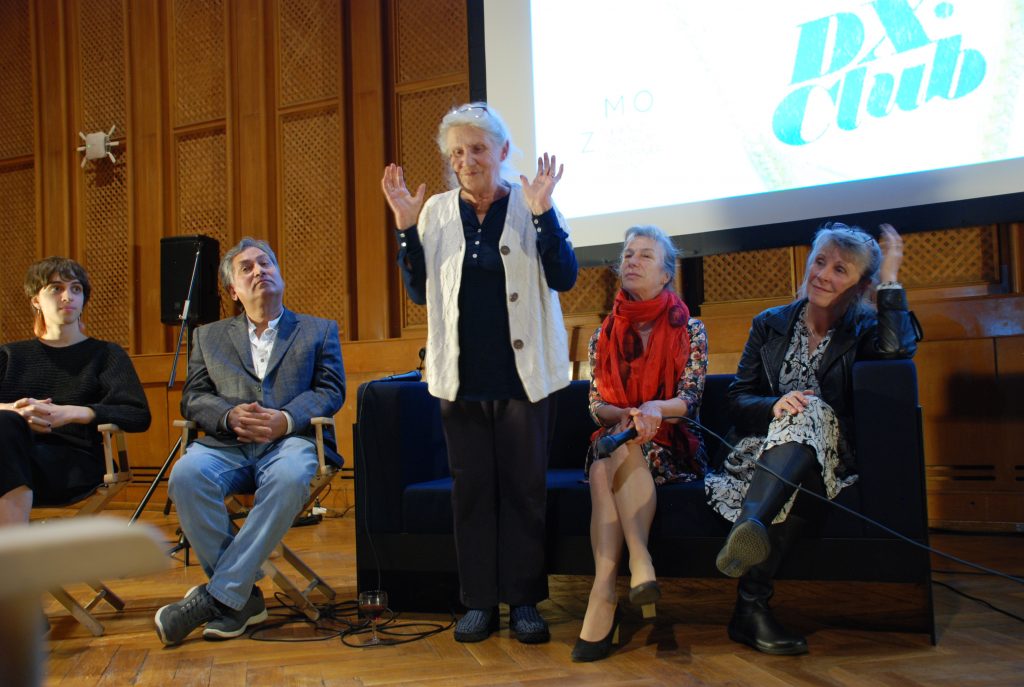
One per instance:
[(184, 332)]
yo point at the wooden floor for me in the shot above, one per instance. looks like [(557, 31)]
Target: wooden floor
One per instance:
[(687, 645)]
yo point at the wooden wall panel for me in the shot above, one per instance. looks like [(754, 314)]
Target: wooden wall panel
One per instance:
[(594, 292), (749, 275), (100, 87), (309, 45), (149, 218), (251, 129), (312, 239), (18, 234), (201, 191), (951, 257), (201, 161), (55, 153), (419, 113), (18, 238), (431, 40), (198, 61), (431, 76), (16, 114), (310, 158), (105, 250)]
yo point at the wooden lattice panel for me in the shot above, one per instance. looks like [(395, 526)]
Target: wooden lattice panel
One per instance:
[(18, 237), (309, 34), (105, 254), (202, 193), (312, 215), (950, 257), (594, 291), (102, 76), (419, 115), (101, 82), (442, 49), (16, 83), (414, 315), (199, 58), (748, 275)]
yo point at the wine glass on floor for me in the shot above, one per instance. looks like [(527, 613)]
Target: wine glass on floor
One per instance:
[(372, 604)]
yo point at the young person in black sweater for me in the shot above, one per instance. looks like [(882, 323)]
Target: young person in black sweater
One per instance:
[(54, 390)]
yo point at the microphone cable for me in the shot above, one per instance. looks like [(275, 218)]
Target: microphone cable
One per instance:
[(758, 464), (341, 619)]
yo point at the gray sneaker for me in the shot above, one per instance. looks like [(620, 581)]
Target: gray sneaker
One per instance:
[(176, 621), (232, 623)]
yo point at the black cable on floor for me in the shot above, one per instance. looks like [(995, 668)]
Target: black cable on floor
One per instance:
[(978, 600), (341, 620)]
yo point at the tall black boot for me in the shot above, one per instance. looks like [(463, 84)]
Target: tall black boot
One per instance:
[(748, 542), (752, 620)]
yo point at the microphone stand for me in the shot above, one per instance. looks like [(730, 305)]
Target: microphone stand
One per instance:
[(184, 332)]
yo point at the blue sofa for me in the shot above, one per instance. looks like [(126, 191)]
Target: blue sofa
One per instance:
[(404, 537)]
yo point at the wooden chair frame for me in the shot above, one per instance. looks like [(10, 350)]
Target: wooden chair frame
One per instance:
[(116, 477), (324, 474)]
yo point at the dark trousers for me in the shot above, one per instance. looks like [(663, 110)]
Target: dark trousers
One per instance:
[(498, 457), (56, 472)]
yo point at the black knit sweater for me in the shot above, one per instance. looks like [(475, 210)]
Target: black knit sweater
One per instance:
[(92, 373)]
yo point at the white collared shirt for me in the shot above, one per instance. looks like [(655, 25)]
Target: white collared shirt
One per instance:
[(263, 345)]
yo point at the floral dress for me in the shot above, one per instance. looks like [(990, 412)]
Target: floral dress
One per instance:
[(663, 465), (816, 427)]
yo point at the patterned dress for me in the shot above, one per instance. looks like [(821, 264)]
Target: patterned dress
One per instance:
[(816, 427), (663, 465)]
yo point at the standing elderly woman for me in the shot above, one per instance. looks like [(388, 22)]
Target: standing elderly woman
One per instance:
[(792, 405), (648, 360), (487, 259), (54, 391)]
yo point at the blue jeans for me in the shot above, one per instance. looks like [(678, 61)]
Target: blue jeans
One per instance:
[(278, 473)]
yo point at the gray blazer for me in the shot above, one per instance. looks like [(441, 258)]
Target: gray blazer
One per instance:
[(305, 376)]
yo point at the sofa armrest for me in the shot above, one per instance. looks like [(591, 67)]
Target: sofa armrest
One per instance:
[(889, 446), (398, 441)]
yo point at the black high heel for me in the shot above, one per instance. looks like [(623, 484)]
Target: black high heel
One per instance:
[(645, 595), (585, 651)]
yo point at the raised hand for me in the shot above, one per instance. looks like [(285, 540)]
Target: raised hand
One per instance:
[(892, 253), (538, 192), (405, 205)]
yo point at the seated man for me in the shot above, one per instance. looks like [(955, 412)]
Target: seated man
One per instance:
[(254, 381)]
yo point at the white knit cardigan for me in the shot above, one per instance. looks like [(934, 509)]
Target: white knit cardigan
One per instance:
[(536, 328)]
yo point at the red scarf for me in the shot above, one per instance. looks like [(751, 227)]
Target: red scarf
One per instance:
[(628, 375)]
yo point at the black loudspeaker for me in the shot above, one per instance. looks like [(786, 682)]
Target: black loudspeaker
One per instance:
[(177, 259)]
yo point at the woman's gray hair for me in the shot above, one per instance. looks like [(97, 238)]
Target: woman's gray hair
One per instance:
[(226, 274), (856, 246), (483, 117), (658, 235)]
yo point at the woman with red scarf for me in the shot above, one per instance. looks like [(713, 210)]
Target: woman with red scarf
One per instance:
[(648, 360)]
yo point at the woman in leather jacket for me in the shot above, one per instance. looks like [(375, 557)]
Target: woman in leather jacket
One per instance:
[(791, 400)]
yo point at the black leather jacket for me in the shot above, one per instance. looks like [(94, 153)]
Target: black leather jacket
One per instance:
[(892, 332)]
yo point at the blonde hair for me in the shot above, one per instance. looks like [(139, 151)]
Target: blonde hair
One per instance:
[(857, 247)]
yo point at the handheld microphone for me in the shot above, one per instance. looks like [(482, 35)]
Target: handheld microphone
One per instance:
[(607, 444), (410, 376)]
